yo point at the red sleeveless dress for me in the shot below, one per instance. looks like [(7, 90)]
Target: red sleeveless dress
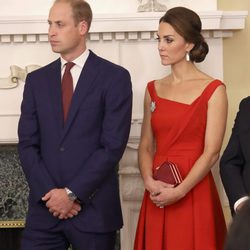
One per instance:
[(195, 222)]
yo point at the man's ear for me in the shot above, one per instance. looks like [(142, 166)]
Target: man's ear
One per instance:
[(83, 27)]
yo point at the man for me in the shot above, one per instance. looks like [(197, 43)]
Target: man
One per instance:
[(235, 161), (70, 146)]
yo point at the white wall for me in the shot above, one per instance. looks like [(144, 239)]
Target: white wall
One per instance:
[(41, 7), (121, 45)]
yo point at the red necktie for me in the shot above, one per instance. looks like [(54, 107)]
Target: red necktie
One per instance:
[(67, 89)]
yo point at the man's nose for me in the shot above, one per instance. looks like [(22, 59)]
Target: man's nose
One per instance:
[(51, 31)]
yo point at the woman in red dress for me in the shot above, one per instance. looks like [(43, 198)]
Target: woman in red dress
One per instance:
[(184, 122)]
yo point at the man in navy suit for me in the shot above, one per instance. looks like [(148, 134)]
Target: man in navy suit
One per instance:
[(235, 161), (71, 163)]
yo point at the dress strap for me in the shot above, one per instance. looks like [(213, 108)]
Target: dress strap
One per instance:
[(211, 87), (151, 90)]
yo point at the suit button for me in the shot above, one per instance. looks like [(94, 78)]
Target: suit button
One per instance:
[(62, 149)]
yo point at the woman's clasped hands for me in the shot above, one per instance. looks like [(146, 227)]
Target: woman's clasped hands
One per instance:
[(163, 194)]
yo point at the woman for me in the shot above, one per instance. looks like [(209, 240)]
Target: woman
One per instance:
[(184, 122)]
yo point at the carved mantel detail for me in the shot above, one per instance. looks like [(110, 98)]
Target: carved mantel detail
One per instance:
[(16, 74), (130, 180), (152, 5), (131, 186)]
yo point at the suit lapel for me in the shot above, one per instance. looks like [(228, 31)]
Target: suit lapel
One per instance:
[(87, 76), (54, 86)]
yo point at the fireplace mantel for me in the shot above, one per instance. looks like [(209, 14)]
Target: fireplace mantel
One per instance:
[(25, 28), (111, 35)]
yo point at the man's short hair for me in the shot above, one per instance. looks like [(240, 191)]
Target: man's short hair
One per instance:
[(81, 10)]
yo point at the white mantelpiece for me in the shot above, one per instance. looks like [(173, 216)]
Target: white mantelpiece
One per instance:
[(117, 37), (108, 23)]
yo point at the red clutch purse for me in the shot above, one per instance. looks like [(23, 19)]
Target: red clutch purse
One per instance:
[(168, 172)]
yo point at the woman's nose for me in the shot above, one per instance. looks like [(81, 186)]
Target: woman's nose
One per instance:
[(160, 45)]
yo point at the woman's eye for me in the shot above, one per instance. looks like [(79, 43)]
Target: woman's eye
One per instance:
[(168, 40)]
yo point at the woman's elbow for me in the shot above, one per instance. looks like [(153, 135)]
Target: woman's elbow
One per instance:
[(212, 156)]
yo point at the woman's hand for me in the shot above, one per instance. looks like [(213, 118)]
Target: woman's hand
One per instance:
[(166, 196), (153, 186)]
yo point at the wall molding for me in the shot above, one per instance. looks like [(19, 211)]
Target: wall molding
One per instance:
[(30, 29), (8, 141)]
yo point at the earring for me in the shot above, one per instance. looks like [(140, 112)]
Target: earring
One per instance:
[(187, 56)]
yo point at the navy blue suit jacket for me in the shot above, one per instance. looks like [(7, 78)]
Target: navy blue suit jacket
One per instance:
[(235, 161), (81, 154)]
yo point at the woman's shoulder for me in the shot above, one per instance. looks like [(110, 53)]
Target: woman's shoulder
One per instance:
[(150, 86), (205, 79), (207, 82)]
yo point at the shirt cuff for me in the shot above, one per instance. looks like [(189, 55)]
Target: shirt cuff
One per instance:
[(238, 202)]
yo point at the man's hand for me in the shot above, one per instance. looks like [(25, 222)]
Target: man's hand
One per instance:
[(74, 210), (60, 205), (239, 207)]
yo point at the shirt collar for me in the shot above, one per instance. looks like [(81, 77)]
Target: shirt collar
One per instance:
[(79, 61)]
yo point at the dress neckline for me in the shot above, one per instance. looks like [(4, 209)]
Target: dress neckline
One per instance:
[(183, 103)]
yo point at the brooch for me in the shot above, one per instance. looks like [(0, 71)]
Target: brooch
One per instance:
[(152, 106)]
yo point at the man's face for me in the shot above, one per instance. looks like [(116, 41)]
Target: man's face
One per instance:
[(65, 36)]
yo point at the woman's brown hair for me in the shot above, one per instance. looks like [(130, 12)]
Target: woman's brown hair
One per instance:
[(188, 24)]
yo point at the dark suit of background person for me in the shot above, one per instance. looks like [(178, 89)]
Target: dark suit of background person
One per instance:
[(235, 161), (81, 153), (238, 237)]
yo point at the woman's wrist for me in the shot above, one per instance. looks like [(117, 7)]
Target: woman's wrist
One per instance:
[(181, 190), (148, 182)]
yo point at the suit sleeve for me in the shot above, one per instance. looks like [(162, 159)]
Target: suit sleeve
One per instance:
[(37, 176), (114, 136), (232, 163)]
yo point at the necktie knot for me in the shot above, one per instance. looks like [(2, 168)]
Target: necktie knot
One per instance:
[(69, 65)]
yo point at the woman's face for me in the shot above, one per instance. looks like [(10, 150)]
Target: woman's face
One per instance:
[(172, 46)]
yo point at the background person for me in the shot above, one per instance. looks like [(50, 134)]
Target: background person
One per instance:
[(239, 230), (235, 161)]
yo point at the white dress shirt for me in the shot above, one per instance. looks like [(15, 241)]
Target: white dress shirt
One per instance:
[(77, 68)]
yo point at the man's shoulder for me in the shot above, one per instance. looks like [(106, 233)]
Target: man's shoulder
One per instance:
[(45, 68), (105, 63)]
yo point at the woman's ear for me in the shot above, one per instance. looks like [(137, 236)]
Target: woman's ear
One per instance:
[(189, 47)]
